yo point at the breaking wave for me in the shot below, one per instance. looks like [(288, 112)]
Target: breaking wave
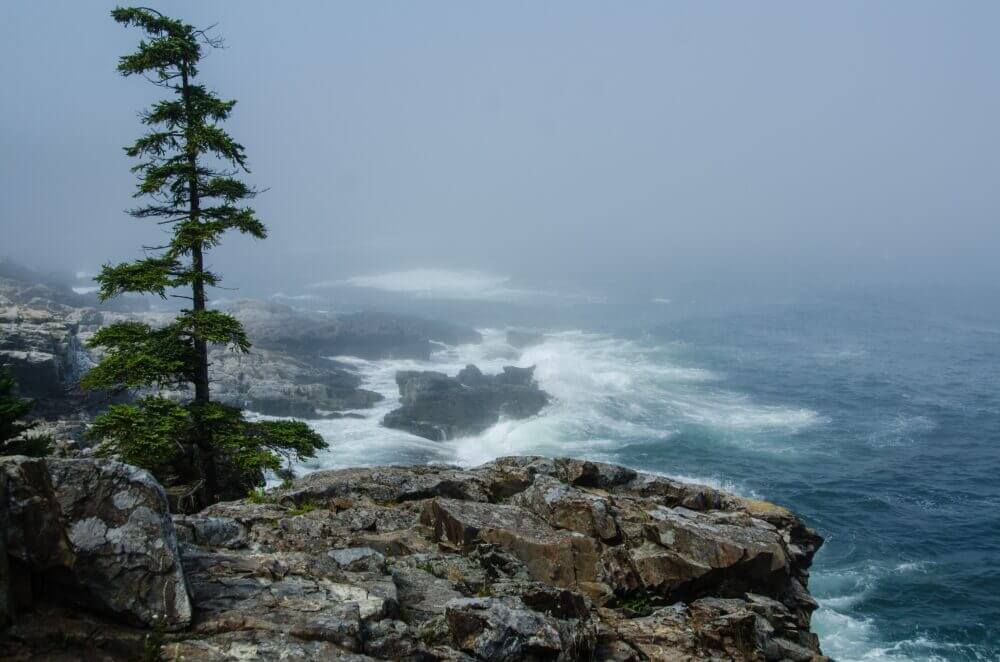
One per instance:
[(605, 391)]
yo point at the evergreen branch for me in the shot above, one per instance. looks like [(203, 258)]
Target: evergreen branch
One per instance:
[(146, 434), (138, 355), (216, 328), (148, 276), (157, 210)]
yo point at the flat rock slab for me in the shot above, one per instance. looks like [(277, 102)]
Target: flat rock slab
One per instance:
[(560, 558), (390, 484)]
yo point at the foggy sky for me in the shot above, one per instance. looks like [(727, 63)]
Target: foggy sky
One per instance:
[(510, 149)]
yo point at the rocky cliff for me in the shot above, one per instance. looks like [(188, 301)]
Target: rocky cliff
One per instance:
[(524, 558)]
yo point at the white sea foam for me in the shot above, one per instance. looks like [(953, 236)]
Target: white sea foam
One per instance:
[(900, 431), (849, 638), (606, 393), (843, 637), (724, 410), (913, 566)]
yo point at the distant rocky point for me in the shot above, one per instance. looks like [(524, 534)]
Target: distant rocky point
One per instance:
[(438, 407), (368, 335), (44, 326)]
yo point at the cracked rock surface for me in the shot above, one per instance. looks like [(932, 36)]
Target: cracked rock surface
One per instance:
[(523, 558)]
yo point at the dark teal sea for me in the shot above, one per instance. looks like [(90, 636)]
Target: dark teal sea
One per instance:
[(900, 469)]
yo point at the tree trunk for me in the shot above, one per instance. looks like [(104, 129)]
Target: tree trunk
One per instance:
[(201, 391)]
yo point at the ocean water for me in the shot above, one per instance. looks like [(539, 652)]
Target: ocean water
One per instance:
[(876, 419)]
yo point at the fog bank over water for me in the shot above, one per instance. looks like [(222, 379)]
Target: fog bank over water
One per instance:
[(576, 149)]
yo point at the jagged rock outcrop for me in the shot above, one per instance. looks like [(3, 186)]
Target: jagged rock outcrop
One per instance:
[(507, 629), (438, 407), (523, 558)]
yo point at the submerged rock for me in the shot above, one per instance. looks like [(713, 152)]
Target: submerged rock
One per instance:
[(438, 407), (523, 558)]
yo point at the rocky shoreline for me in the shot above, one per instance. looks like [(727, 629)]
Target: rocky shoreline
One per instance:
[(524, 558)]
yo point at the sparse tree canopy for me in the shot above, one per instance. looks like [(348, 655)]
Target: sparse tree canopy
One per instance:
[(188, 169)]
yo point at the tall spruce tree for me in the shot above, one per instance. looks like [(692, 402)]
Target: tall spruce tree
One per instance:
[(188, 169)]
